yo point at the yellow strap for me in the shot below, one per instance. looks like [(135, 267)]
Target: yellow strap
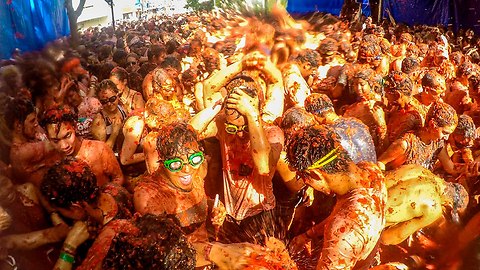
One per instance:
[(331, 156)]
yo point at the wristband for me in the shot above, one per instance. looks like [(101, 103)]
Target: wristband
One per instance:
[(66, 257)]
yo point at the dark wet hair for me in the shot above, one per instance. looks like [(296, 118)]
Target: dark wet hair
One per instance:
[(442, 115), (172, 139), (368, 50), (398, 82), (409, 64), (309, 145), (318, 104), (431, 79), (466, 127), (159, 244), (18, 109), (57, 115), (251, 87), (70, 181), (296, 116)]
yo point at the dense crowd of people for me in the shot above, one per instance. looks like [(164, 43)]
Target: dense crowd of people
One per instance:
[(225, 141)]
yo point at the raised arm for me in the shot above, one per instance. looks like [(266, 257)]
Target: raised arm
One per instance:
[(132, 130), (203, 122), (218, 80)]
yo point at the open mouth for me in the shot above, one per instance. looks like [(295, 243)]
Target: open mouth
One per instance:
[(186, 180)]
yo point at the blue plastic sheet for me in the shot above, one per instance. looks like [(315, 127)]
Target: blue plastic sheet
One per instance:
[(30, 24), (329, 6), (430, 12), (461, 13), (467, 14)]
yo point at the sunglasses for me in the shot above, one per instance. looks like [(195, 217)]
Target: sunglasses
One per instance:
[(233, 129), (176, 164), (108, 100)]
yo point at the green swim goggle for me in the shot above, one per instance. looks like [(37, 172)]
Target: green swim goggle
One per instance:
[(176, 164)]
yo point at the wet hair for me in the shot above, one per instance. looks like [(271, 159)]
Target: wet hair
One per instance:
[(310, 144), (189, 75), (251, 87), (159, 243), (432, 79), (308, 56), (106, 84), (58, 115), (409, 64), (104, 70), (318, 104), (18, 109), (441, 115), (172, 139), (296, 118), (135, 81), (68, 182), (466, 127), (119, 73), (398, 82)]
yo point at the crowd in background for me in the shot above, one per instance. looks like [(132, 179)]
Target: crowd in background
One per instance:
[(192, 140)]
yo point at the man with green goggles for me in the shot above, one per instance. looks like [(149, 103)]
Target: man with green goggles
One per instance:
[(176, 164)]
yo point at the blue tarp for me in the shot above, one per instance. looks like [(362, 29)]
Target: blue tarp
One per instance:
[(30, 24), (460, 13), (329, 6)]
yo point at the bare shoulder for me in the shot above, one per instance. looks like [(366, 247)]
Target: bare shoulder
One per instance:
[(274, 134)]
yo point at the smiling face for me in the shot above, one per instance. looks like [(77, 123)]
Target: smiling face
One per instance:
[(63, 137), (187, 173)]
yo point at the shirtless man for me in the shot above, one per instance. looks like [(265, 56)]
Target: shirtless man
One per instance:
[(176, 188), (60, 125), (355, 137), (416, 199), (403, 115), (353, 228), (298, 75), (369, 108)]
